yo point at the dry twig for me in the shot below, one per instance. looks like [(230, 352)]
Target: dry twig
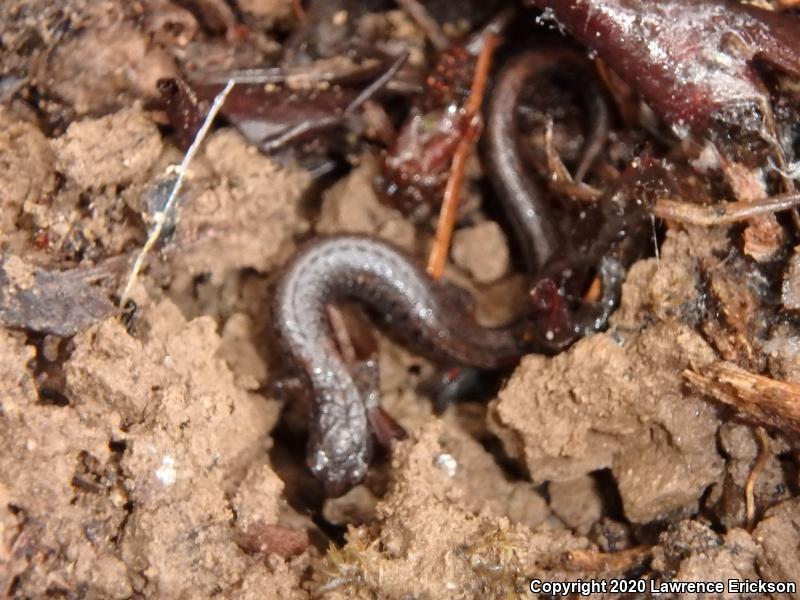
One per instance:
[(162, 216), (723, 213), (757, 398), (452, 193), (752, 478), (426, 22), (299, 11)]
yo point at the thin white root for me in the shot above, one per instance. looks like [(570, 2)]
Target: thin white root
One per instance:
[(160, 217)]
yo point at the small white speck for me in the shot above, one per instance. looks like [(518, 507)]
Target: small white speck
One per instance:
[(447, 463), (166, 472), (549, 335)]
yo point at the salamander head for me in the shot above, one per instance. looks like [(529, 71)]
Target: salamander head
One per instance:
[(339, 461)]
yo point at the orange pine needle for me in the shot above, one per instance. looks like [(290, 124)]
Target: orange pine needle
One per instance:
[(299, 11), (452, 193)]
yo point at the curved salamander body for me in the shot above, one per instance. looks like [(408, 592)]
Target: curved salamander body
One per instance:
[(522, 198), (431, 317), (425, 314)]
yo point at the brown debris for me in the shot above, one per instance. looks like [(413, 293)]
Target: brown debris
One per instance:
[(761, 462), (756, 398), (49, 302), (763, 238), (753, 469), (169, 24), (593, 562), (426, 22), (266, 538), (739, 289), (723, 213)]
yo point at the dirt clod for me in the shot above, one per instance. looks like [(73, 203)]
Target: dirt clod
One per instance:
[(112, 150), (482, 251), (627, 395)]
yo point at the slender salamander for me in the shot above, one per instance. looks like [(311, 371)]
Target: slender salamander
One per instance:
[(427, 315)]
